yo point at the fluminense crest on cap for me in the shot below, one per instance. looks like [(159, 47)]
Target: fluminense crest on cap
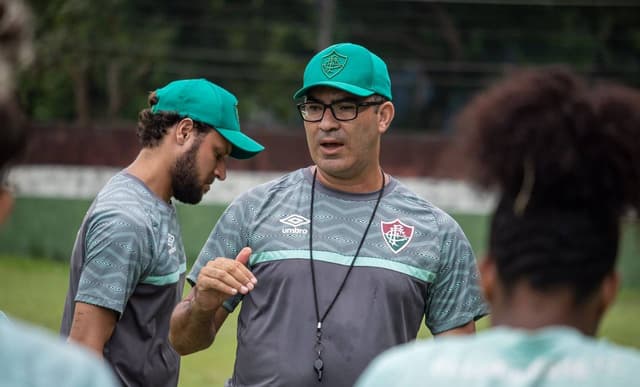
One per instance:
[(333, 63), (349, 67), (397, 235)]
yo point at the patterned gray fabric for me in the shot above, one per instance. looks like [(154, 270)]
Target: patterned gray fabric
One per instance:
[(415, 262), (129, 257)]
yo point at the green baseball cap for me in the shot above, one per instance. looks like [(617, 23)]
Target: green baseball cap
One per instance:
[(206, 102), (349, 67)]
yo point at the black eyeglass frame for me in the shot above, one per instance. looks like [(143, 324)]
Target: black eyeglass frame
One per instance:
[(330, 106)]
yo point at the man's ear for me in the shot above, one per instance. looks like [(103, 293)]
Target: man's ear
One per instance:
[(184, 129), (488, 277), (386, 113)]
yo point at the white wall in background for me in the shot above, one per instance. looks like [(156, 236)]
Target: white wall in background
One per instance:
[(76, 182)]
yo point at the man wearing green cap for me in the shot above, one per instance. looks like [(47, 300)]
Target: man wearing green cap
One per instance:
[(345, 260), (128, 262)]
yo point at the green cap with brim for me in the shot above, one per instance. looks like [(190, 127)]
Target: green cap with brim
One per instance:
[(349, 67), (206, 102)]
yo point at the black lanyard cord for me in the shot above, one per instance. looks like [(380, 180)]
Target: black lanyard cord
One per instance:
[(319, 364)]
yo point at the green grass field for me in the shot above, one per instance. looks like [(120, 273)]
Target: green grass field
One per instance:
[(34, 290)]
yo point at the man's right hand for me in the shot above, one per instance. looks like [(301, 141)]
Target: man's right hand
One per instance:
[(196, 319), (221, 278)]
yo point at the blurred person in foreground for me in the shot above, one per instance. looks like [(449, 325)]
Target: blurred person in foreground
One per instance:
[(349, 261), (30, 356), (565, 158), (128, 262)]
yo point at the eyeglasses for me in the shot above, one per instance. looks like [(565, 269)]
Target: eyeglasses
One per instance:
[(342, 110)]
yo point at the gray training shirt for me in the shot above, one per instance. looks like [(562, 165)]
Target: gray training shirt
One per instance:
[(129, 257), (415, 262)]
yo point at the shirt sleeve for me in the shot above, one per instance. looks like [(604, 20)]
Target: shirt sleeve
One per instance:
[(455, 298), (117, 249), (227, 238)]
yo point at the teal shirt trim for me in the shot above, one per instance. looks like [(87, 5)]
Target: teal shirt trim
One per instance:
[(166, 279), (325, 256)]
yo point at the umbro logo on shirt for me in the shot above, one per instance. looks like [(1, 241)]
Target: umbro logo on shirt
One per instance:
[(294, 221)]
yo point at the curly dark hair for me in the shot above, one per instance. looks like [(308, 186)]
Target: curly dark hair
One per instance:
[(153, 126), (565, 156)]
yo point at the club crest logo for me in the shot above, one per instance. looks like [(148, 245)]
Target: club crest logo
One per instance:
[(333, 63), (397, 235)]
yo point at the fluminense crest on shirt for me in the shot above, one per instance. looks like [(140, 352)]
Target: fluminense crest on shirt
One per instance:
[(333, 63), (397, 235)]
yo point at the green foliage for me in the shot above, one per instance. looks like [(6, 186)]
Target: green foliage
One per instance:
[(98, 55), (97, 61)]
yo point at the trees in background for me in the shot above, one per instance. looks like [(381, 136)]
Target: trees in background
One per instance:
[(93, 58), (96, 60)]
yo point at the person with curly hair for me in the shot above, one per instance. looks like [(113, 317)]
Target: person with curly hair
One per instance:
[(564, 156), (29, 355), (128, 263)]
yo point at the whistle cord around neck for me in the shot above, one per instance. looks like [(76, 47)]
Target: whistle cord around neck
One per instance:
[(318, 365)]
